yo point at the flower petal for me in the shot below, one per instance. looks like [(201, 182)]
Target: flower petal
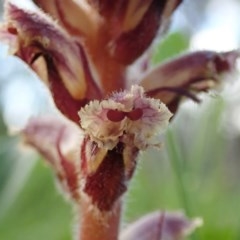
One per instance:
[(195, 72), (77, 17), (140, 25), (56, 57), (105, 185), (136, 10), (160, 226), (58, 141), (37, 33), (134, 13), (128, 117)]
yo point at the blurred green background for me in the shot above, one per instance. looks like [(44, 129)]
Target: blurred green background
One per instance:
[(197, 171)]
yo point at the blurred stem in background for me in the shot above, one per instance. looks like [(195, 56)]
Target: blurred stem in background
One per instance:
[(179, 169)]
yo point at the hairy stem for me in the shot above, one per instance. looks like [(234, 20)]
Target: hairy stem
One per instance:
[(96, 225)]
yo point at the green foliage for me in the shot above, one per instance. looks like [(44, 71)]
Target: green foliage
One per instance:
[(173, 44), (38, 212)]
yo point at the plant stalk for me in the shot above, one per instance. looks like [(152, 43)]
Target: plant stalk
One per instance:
[(96, 225)]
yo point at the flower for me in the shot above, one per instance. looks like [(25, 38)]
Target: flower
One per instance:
[(83, 51), (109, 143), (85, 64), (127, 116), (161, 225), (89, 59)]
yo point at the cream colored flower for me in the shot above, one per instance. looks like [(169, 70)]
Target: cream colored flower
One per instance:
[(129, 117)]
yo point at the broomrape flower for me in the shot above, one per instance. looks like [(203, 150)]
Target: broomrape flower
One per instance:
[(84, 52)]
